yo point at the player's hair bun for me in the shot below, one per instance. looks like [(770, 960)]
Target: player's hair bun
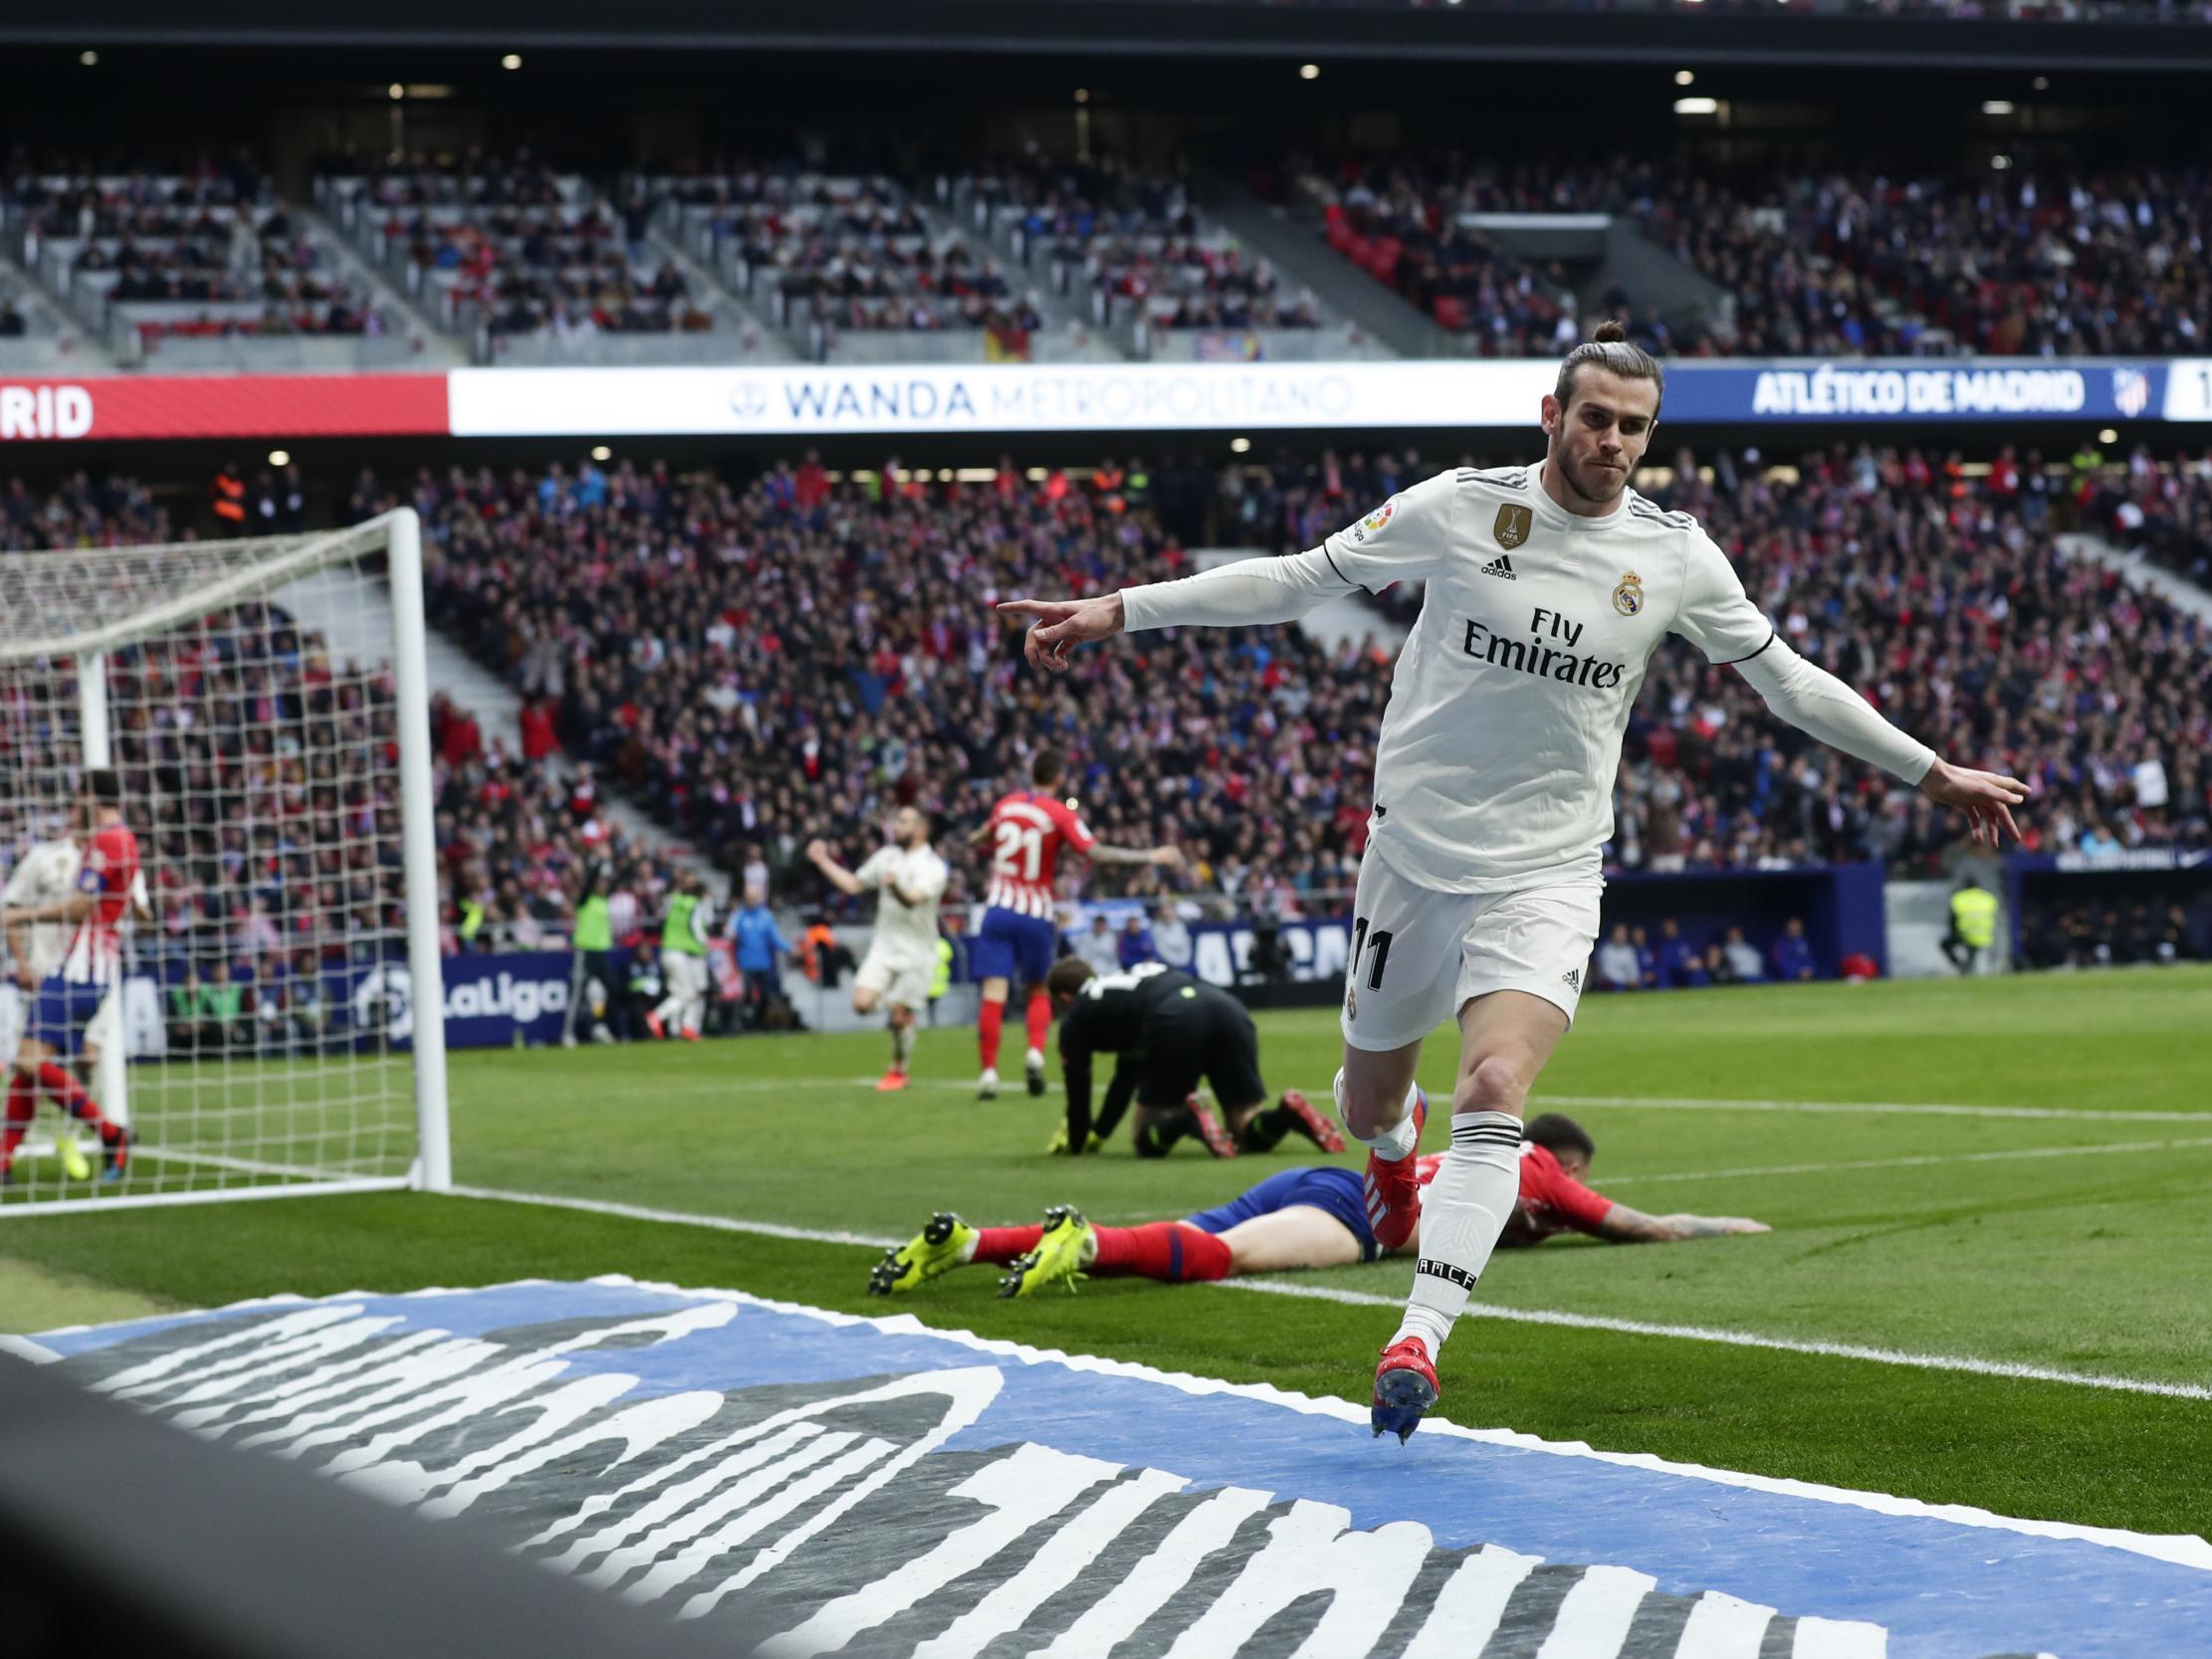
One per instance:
[(1611, 330)]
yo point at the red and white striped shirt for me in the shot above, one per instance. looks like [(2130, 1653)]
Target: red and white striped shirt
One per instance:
[(1028, 829), (111, 867)]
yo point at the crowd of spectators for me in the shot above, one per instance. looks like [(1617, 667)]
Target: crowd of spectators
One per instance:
[(1130, 238), (1816, 256), (214, 235), (777, 658), (2076, 936), (1628, 958), (846, 251), (512, 244), (769, 659)]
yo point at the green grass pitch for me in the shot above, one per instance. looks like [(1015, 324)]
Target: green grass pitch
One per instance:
[(2075, 1239)]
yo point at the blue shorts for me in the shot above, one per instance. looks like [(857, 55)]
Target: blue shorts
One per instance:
[(1328, 1188), (1010, 945), (64, 1009)]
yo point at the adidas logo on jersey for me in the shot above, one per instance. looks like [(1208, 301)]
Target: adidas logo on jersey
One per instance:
[(1572, 977), (1501, 566)]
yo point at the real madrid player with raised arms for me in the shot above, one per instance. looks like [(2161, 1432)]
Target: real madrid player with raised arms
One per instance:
[(903, 955), (1548, 589)]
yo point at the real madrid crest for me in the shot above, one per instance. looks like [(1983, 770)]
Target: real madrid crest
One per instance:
[(1628, 598), (1511, 529)]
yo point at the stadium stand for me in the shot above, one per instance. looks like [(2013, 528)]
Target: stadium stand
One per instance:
[(1815, 258), (529, 264), (769, 659), (161, 261)]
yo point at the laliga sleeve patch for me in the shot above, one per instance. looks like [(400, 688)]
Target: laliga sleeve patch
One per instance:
[(1371, 525)]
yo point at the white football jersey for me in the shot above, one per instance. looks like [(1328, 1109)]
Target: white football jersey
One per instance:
[(905, 933), (1511, 695), (44, 874)]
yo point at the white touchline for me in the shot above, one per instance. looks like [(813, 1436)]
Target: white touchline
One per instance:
[(1655, 1102), (1479, 1309), (1681, 1102), (1902, 1162), (1747, 1339)]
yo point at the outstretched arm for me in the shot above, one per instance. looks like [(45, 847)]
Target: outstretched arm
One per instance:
[(835, 874), (1821, 706), (1401, 540), (1101, 853), (1244, 593), (69, 908), (1718, 617), (1622, 1225)]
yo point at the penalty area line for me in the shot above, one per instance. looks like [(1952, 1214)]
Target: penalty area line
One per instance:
[(1962, 1364)]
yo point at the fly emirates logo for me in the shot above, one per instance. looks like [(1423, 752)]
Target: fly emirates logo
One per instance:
[(1548, 654)]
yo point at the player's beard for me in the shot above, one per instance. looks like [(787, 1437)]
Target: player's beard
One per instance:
[(1593, 483)]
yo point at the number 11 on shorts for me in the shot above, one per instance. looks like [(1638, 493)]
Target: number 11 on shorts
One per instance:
[(1359, 942)]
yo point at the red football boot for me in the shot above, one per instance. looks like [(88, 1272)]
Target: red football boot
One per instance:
[(1311, 1123), (1393, 1192), (1216, 1139), (1406, 1387)]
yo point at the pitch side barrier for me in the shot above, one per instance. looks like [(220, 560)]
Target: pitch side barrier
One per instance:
[(125, 1535), (808, 401)]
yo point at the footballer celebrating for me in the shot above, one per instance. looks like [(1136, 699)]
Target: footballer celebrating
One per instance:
[(70, 996), (1548, 587), (903, 955), (1018, 937)]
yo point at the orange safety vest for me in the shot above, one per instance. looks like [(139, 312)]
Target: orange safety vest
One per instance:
[(228, 496)]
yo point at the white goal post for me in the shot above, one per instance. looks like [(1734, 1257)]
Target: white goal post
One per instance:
[(277, 1024)]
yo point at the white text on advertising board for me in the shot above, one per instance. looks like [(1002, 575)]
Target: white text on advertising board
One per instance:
[(1919, 392), (45, 412)]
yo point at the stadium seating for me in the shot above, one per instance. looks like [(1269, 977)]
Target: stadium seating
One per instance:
[(1127, 245), (1815, 259), (212, 254), (501, 250)]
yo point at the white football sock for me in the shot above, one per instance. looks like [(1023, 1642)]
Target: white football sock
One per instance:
[(901, 1044), (1400, 1140), (1465, 1210)]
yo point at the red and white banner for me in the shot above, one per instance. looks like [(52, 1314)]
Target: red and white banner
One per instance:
[(288, 406)]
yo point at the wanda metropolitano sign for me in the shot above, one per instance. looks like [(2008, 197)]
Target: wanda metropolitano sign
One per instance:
[(936, 399)]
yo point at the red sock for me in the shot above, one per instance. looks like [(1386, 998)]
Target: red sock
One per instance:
[(1172, 1250), (1040, 1019), (72, 1098), (988, 1021), (22, 1106), (1003, 1244)]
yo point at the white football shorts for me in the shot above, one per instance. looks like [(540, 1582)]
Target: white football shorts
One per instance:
[(1417, 956), (903, 980)]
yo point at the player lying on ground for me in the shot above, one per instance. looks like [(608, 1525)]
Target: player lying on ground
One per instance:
[(1546, 590), (903, 955), (1299, 1218), (70, 997), (1168, 1030), (1018, 937)]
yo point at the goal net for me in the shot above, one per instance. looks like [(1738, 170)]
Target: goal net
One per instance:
[(274, 1021)]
